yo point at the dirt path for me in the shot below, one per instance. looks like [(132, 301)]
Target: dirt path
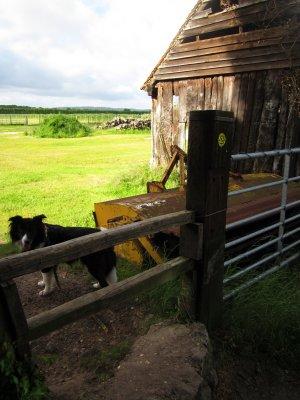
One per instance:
[(77, 359)]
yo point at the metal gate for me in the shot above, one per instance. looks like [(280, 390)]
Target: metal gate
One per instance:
[(284, 248)]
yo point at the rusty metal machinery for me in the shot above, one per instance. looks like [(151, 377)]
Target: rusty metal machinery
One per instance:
[(159, 201)]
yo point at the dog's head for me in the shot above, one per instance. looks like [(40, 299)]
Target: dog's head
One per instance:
[(28, 233)]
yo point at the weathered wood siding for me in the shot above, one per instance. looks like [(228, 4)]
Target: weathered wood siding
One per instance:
[(264, 47), (264, 118)]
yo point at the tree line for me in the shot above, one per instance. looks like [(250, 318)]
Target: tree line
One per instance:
[(13, 109)]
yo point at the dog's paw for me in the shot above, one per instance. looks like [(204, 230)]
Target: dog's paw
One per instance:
[(41, 283), (45, 292), (96, 285)]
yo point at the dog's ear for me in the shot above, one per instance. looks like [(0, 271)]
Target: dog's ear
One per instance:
[(39, 217), (16, 218)]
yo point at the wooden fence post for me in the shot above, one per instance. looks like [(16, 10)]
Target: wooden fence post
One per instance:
[(13, 324), (209, 151)]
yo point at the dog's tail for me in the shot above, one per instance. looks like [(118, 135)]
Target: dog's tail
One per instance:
[(56, 278)]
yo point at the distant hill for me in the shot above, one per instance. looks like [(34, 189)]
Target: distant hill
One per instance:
[(13, 109)]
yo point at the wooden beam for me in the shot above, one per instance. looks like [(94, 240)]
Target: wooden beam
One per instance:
[(238, 38), (242, 57), (257, 65), (31, 261), (233, 50), (230, 19), (91, 303), (226, 15)]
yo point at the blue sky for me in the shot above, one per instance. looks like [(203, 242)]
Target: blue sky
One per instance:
[(83, 52)]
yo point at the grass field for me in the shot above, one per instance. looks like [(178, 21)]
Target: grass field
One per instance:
[(62, 178)]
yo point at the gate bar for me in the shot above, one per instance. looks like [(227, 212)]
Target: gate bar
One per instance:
[(250, 252), (260, 216), (261, 276), (260, 262), (251, 235), (260, 154), (251, 267)]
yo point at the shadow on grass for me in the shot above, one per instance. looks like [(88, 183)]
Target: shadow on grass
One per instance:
[(264, 320)]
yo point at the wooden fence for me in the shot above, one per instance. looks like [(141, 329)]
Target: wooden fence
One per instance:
[(201, 246)]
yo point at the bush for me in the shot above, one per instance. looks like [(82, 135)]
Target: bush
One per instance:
[(61, 126)]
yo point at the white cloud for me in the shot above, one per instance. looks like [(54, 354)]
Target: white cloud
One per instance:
[(83, 52)]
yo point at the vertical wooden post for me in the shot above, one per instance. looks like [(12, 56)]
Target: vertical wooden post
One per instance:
[(13, 324), (209, 151)]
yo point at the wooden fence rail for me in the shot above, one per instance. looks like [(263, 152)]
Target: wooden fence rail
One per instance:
[(32, 261), (94, 302)]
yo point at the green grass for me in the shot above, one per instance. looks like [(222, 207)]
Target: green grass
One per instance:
[(265, 319), (63, 178), (14, 128)]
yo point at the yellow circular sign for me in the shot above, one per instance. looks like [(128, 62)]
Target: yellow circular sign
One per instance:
[(222, 140)]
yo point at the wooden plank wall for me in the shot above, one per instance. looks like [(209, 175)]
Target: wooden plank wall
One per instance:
[(258, 100), (260, 49)]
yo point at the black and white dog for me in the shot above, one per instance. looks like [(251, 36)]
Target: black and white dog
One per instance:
[(33, 233)]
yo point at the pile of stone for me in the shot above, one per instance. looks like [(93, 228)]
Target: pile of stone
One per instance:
[(129, 123)]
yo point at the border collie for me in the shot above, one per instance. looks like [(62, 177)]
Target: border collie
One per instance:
[(33, 233)]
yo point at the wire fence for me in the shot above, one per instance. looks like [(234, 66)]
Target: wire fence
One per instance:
[(281, 248), (36, 119)]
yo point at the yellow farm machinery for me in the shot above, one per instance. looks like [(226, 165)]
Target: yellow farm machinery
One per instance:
[(159, 201)]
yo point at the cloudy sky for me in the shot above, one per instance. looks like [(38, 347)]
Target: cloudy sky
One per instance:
[(83, 52)]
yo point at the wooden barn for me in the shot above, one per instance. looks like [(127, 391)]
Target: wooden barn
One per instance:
[(233, 55)]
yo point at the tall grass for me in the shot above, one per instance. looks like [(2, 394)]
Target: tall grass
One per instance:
[(134, 181), (265, 319)]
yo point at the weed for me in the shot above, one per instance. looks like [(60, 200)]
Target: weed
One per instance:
[(61, 126), (19, 380), (48, 359), (102, 363), (163, 300)]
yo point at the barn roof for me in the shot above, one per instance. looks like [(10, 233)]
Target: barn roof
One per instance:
[(231, 36)]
